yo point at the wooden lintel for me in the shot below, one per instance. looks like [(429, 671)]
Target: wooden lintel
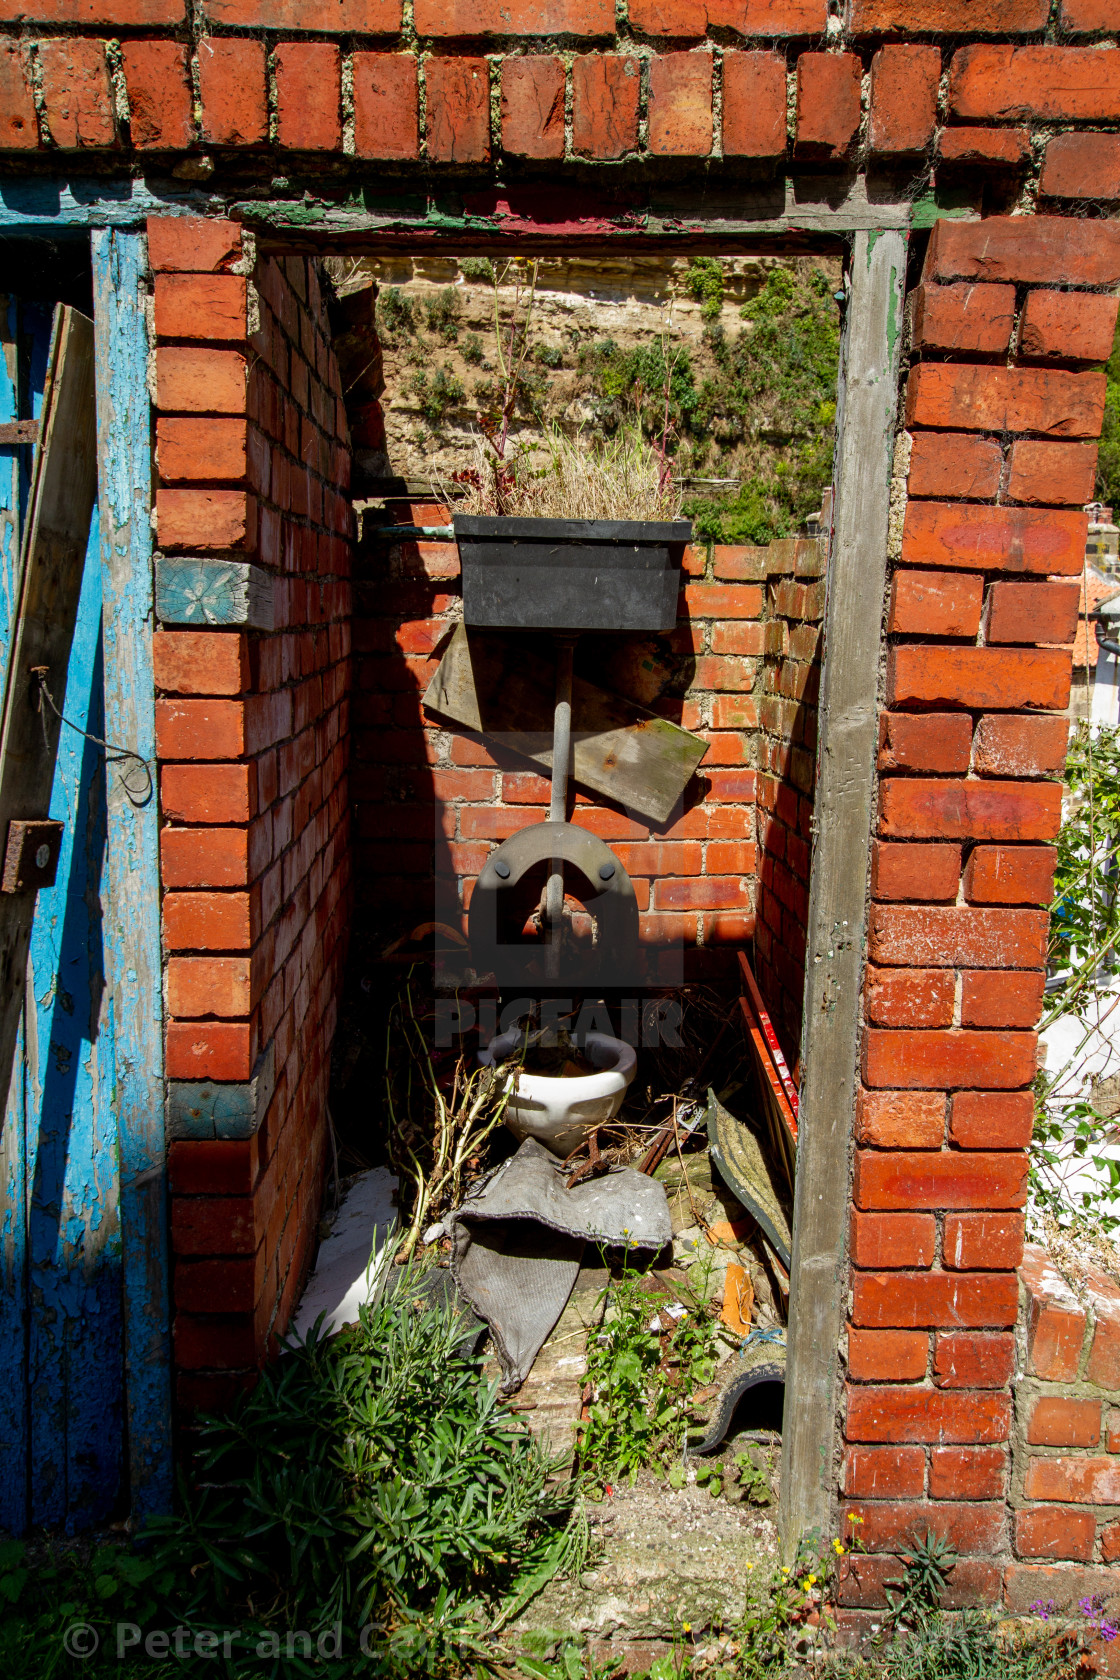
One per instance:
[(219, 593), (205, 1109)]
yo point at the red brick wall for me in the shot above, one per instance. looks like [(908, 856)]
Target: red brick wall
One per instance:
[(963, 862), (253, 462)]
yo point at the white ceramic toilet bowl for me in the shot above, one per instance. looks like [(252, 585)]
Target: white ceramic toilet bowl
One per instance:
[(557, 1111)]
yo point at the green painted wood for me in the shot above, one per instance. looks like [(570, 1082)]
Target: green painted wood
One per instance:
[(132, 927), (216, 592), (204, 1109)]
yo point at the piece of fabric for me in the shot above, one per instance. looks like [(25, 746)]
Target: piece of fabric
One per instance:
[(518, 1239)]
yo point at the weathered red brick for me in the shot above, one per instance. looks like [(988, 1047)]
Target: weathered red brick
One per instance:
[(213, 1225), (935, 1300), (533, 106), (770, 18), (1056, 1534), (209, 1050), (995, 148), (680, 104), (964, 317), (200, 306), (939, 741), (1032, 250), (958, 464), (949, 17), (207, 921), (19, 126), (1066, 326), (605, 88), (828, 104), (206, 518), (1001, 83), (204, 857), (1055, 1319), (930, 936), (1011, 679), (927, 1414), (157, 80), (992, 1119), (1082, 166), (1010, 875), (967, 1472), (199, 986), (1081, 1480), (887, 1355), (754, 105), (983, 1242), (309, 96), (966, 397), (990, 999), (928, 873), (211, 729), (458, 119), (359, 17), (1104, 1354), (386, 105), (201, 449), (884, 1473), (1060, 1421), (1012, 745), (932, 809), (882, 1240), (904, 81), (927, 603), (231, 84), (897, 1179), (472, 18), (994, 538), (901, 1119), (910, 997), (190, 380), (1052, 472), (201, 661), (1088, 17), (76, 92), (1057, 1584), (193, 244), (207, 793), (973, 1359), (213, 1167)]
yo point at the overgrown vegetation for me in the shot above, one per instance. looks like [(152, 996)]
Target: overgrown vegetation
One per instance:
[(643, 1367), (1084, 956)]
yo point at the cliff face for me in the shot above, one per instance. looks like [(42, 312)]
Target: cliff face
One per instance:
[(733, 359)]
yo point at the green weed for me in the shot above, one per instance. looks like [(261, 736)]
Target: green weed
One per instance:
[(643, 1367), (395, 315), (436, 395), (442, 310)]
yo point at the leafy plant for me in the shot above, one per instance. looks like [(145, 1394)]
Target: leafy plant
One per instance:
[(438, 394), (471, 348), (1069, 1132), (53, 1588), (395, 317), (442, 310), (642, 1369), (704, 282), (477, 268), (755, 1485), (1108, 459), (373, 1480)]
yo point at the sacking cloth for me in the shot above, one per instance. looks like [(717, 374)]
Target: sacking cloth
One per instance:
[(518, 1239)]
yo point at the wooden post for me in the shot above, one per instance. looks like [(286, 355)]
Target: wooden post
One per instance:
[(132, 931), (844, 802)]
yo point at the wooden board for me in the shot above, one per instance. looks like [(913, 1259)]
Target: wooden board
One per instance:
[(217, 592), (63, 490), (844, 807), (495, 685)]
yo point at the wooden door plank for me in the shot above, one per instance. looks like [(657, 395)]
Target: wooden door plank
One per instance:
[(132, 929), (843, 807), (493, 684), (53, 549)]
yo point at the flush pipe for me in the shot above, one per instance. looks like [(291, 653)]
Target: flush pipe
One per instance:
[(558, 802)]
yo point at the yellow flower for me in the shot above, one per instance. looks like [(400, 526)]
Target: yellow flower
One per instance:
[(855, 1519), (785, 1571), (810, 1580), (839, 1548), (687, 1626)]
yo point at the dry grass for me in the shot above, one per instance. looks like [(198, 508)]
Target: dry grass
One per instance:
[(618, 477)]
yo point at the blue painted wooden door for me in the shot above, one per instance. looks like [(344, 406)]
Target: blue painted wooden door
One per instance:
[(61, 1358)]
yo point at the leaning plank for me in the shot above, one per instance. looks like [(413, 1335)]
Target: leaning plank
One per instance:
[(223, 592), (495, 685), (63, 490)]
